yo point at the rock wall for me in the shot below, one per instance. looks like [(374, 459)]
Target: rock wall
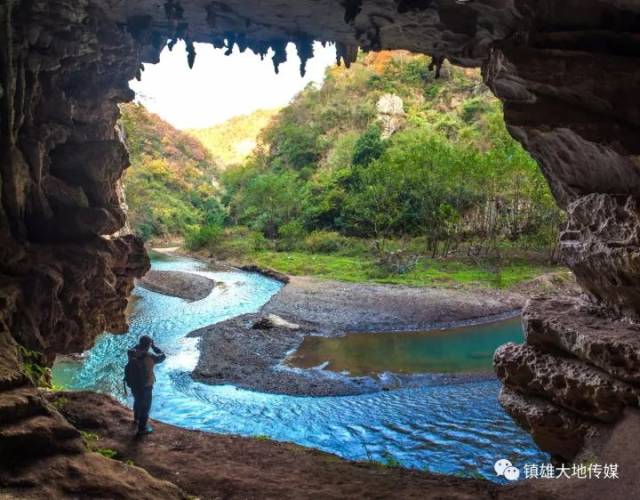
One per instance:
[(63, 279), (567, 73), (568, 86)]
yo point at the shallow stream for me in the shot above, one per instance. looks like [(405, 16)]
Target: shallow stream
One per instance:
[(452, 429)]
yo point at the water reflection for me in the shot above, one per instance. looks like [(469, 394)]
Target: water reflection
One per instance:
[(455, 350)]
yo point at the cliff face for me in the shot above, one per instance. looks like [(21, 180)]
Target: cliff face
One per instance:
[(567, 73)]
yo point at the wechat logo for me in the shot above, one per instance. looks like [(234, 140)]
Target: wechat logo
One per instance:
[(504, 468)]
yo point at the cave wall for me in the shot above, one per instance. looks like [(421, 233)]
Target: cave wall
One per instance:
[(567, 73), (63, 279)]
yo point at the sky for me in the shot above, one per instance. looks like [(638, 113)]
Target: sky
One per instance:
[(220, 87)]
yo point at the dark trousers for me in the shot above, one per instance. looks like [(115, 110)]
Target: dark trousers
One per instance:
[(142, 405)]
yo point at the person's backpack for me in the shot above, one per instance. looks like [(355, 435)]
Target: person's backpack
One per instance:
[(134, 373)]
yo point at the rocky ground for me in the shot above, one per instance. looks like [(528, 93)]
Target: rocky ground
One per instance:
[(180, 463), (244, 352), (211, 466), (188, 286)]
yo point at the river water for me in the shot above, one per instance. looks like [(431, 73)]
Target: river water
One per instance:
[(452, 429), (467, 349)]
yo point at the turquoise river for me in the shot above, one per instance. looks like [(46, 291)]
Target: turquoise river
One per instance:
[(455, 428)]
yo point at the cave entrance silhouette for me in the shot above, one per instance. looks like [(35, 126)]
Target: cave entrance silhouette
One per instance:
[(567, 74)]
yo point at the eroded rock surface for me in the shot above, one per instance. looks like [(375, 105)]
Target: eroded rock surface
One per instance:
[(554, 429), (567, 382), (577, 370), (577, 327)]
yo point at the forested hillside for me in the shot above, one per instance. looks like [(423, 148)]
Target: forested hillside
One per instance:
[(383, 173), (234, 141), (172, 182), (387, 154)]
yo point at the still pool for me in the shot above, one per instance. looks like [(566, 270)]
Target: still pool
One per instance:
[(452, 429), (455, 350)]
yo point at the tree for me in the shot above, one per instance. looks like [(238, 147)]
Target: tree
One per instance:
[(368, 147)]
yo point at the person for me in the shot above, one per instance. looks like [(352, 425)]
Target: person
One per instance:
[(140, 378)]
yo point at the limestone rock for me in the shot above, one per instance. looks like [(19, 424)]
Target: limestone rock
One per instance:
[(391, 114), (567, 382), (554, 429), (601, 243), (580, 329)]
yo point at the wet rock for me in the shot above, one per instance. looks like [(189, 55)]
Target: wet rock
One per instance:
[(567, 382)]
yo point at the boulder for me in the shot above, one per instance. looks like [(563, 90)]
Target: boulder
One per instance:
[(579, 328), (567, 382)]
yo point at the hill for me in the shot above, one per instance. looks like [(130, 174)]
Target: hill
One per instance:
[(234, 140), (385, 151), (172, 182)]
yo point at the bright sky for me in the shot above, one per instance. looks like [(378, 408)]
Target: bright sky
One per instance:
[(220, 87)]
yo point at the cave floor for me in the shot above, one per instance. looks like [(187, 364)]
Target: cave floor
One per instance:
[(222, 466), (179, 463)]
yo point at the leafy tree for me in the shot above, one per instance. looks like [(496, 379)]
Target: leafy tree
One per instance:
[(368, 147)]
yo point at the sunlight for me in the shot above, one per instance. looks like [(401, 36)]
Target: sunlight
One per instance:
[(220, 87)]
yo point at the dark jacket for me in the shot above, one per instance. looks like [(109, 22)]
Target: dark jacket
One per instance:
[(149, 361)]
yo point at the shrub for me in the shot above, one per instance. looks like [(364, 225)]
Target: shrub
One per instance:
[(368, 147), (290, 234), (324, 242), (205, 236), (237, 242)]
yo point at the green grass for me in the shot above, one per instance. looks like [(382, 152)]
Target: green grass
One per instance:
[(362, 269), (107, 453)]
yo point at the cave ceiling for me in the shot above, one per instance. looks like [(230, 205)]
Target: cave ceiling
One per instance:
[(464, 30)]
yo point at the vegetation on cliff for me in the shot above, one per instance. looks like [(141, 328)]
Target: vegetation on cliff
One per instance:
[(172, 182), (383, 173), (234, 141), (450, 173)]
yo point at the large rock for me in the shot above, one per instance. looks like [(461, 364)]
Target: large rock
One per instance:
[(188, 286), (391, 114), (601, 243), (585, 331), (554, 429), (567, 382)]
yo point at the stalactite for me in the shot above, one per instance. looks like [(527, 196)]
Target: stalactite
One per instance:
[(279, 53), (191, 54), (304, 46), (347, 53)]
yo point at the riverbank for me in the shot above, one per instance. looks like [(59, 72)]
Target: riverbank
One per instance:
[(248, 352)]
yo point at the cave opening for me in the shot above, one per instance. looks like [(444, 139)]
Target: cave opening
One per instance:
[(175, 188), (567, 82)]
